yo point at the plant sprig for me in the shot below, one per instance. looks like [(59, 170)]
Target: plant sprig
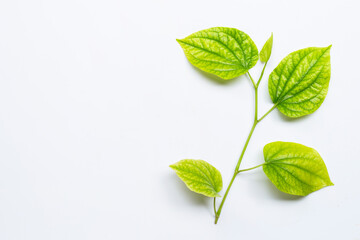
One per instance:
[(297, 87)]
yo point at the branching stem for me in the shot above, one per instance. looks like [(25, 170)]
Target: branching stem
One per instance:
[(262, 73), (248, 169), (270, 110), (256, 121), (252, 80)]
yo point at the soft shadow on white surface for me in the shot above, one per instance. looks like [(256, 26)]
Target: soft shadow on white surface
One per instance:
[(262, 187), (174, 183), (277, 194)]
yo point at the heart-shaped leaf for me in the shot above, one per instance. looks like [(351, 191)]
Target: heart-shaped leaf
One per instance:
[(294, 168), (299, 84), (199, 176), (225, 52)]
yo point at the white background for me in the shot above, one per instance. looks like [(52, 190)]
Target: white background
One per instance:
[(97, 99)]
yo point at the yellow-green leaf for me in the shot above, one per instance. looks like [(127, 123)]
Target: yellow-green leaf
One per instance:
[(299, 84), (294, 168), (265, 52), (199, 176), (225, 52)]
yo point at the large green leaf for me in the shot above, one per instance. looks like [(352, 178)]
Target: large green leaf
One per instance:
[(266, 50), (199, 176), (225, 52), (299, 84), (294, 168)]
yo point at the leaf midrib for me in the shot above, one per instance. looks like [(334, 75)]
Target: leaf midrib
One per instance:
[(307, 87), (295, 177), (226, 47), (282, 71), (212, 61), (240, 46), (206, 176), (303, 169), (281, 99), (205, 50)]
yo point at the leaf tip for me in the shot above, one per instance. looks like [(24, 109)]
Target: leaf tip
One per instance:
[(328, 47)]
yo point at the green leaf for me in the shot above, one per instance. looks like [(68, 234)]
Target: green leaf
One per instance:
[(266, 50), (199, 176), (225, 52), (299, 84), (294, 168)]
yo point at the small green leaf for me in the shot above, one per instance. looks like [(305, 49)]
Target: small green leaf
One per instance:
[(199, 176), (299, 84), (266, 50), (225, 52), (294, 168)]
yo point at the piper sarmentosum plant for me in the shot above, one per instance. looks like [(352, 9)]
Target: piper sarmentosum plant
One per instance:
[(297, 87)]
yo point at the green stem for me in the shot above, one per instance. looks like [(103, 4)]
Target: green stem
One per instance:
[(246, 144), (252, 80), (270, 110), (217, 215), (248, 169), (256, 121), (215, 206), (262, 73)]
